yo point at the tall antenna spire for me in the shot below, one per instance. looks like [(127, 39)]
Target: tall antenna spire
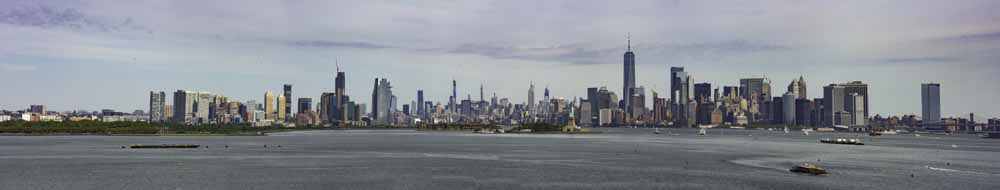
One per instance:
[(628, 41), (336, 60)]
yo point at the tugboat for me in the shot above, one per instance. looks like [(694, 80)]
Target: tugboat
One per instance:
[(808, 168), (842, 141)]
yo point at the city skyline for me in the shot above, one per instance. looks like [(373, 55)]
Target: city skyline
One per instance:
[(134, 57)]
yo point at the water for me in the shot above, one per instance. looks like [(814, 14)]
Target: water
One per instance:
[(406, 159)]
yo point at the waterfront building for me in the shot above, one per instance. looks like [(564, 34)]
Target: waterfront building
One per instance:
[(287, 103), (305, 104), (788, 107), (856, 108), (628, 78), (798, 87), (702, 92), (930, 103), (157, 103), (268, 105), (281, 105), (38, 109), (833, 103)]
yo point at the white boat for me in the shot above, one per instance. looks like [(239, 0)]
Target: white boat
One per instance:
[(701, 132), (786, 130), (656, 131), (806, 132)]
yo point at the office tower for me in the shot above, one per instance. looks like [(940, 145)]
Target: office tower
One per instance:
[(281, 105), (592, 95), (759, 88), (638, 103), (305, 104), (731, 92), (715, 95), (803, 112), (386, 102), (702, 92), (420, 103), (324, 107), (680, 94), (788, 107), (157, 103), (861, 89), (629, 76), (406, 109), (856, 108), (336, 105), (833, 102), (798, 87), (39, 109), (481, 99), (675, 83), (531, 98), (375, 95), (183, 106), (930, 103), (287, 105), (452, 102), (268, 105)]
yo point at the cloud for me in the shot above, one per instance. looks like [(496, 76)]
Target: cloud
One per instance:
[(732, 46), (65, 18), (16, 68), (582, 53), (973, 38), (919, 60), (337, 44)]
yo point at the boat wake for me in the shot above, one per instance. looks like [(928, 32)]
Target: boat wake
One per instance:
[(956, 171)]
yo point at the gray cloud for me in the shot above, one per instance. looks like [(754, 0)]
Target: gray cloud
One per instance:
[(919, 60), (973, 38), (16, 67), (733, 46), (337, 44), (588, 54), (69, 18)]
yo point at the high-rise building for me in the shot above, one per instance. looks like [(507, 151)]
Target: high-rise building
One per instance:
[(375, 102), (268, 105), (592, 96), (930, 98), (39, 109), (454, 95), (861, 89), (833, 102), (799, 88), (420, 103), (281, 105), (157, 106), (305, 104), (192, 107), (629, 77), (702, 92), (856, 108), (531, 98), (680, 95), (788, 107), (288, 101), (385, 101)]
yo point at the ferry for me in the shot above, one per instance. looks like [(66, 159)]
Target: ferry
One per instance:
[(842, 141), (808, 169)]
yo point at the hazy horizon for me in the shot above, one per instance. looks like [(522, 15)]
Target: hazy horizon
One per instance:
[(69, 54)]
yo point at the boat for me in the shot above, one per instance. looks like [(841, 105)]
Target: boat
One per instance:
[(842, 141), (808, 168), (164, 146), (992, 135), (701, 132), (806, 132), (786, 130), (656, 131), (875, 133)]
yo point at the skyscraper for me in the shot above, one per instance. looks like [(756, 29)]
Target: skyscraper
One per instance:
[(375, 101), (675, 83), (798, 87), (386, 102), (268, 105), (420, 103), (702, 92), (930, 98), (531, 98), (281, 105), (856, 108), (157, 106), (629, 76), (305, 104), (287, 101), (592, 96), (861, 89), (833, 100), (788, 108)]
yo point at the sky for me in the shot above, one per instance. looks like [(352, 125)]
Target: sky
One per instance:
[(108, 54)]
